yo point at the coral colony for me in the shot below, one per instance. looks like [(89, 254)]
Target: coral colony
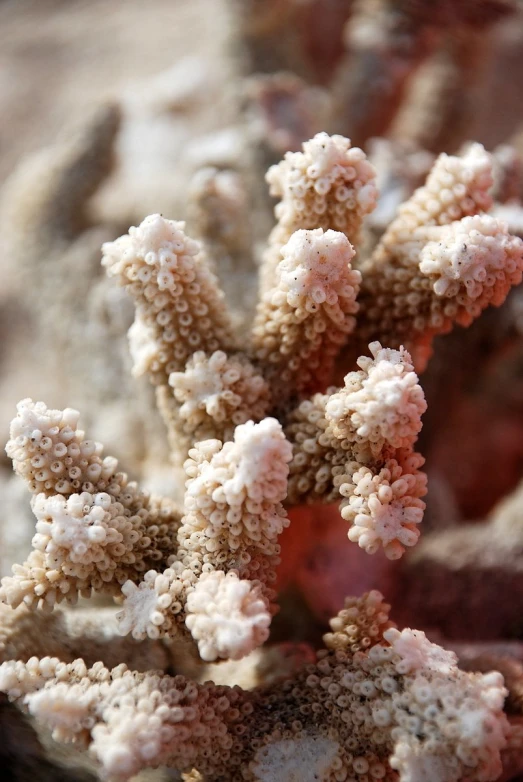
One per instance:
[(263, 427)]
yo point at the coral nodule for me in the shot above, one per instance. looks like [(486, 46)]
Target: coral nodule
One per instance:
[(263, 426)]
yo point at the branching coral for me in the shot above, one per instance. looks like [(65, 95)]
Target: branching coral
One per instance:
[(179, 309), (219, 581), (302, 322), (260, 425), (327, 185), (51, 236), (439, 262), (218, 392), (358, 442), (51, 211), (95, 529), (375, 693), (108, 536), (355, 443)]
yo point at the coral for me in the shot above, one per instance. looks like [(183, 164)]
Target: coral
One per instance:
[(52, 211), (339, 447), (439, 262), (355, 443), (329, 184), (302, 322), (107, 537), (219, 581), (261, 426), (95, 529), (373, 693), (178, 307), (51, 238), (218, 392)]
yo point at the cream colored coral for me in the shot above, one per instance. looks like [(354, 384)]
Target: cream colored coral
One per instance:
[(357, 443), (85, 542), (457, 186), (153, 607), (218, 392), (96, 538), (474, 262), (375, 701), (53, 456), (397, 707), (179, 305), (68, 633), (382, 404), (89, 543), (359, 624), (233, 508), (51, 453), (304, 319), (178, 299), (227, 616), (82, 529), (439, 262), (328, 185), (45, 202), (314, 266), (465, 718), (384, 507), (219, 584)]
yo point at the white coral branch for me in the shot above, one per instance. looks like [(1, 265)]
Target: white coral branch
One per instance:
[(382, 404), (180, 307), (219, 584), (328, 184), (216, 393), (385, 507), (475, 262), (306, 316)]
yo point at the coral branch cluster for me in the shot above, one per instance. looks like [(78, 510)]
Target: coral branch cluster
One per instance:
[(95, 528), (441, 261), (262, 426), (219, 581), (358, 443)]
